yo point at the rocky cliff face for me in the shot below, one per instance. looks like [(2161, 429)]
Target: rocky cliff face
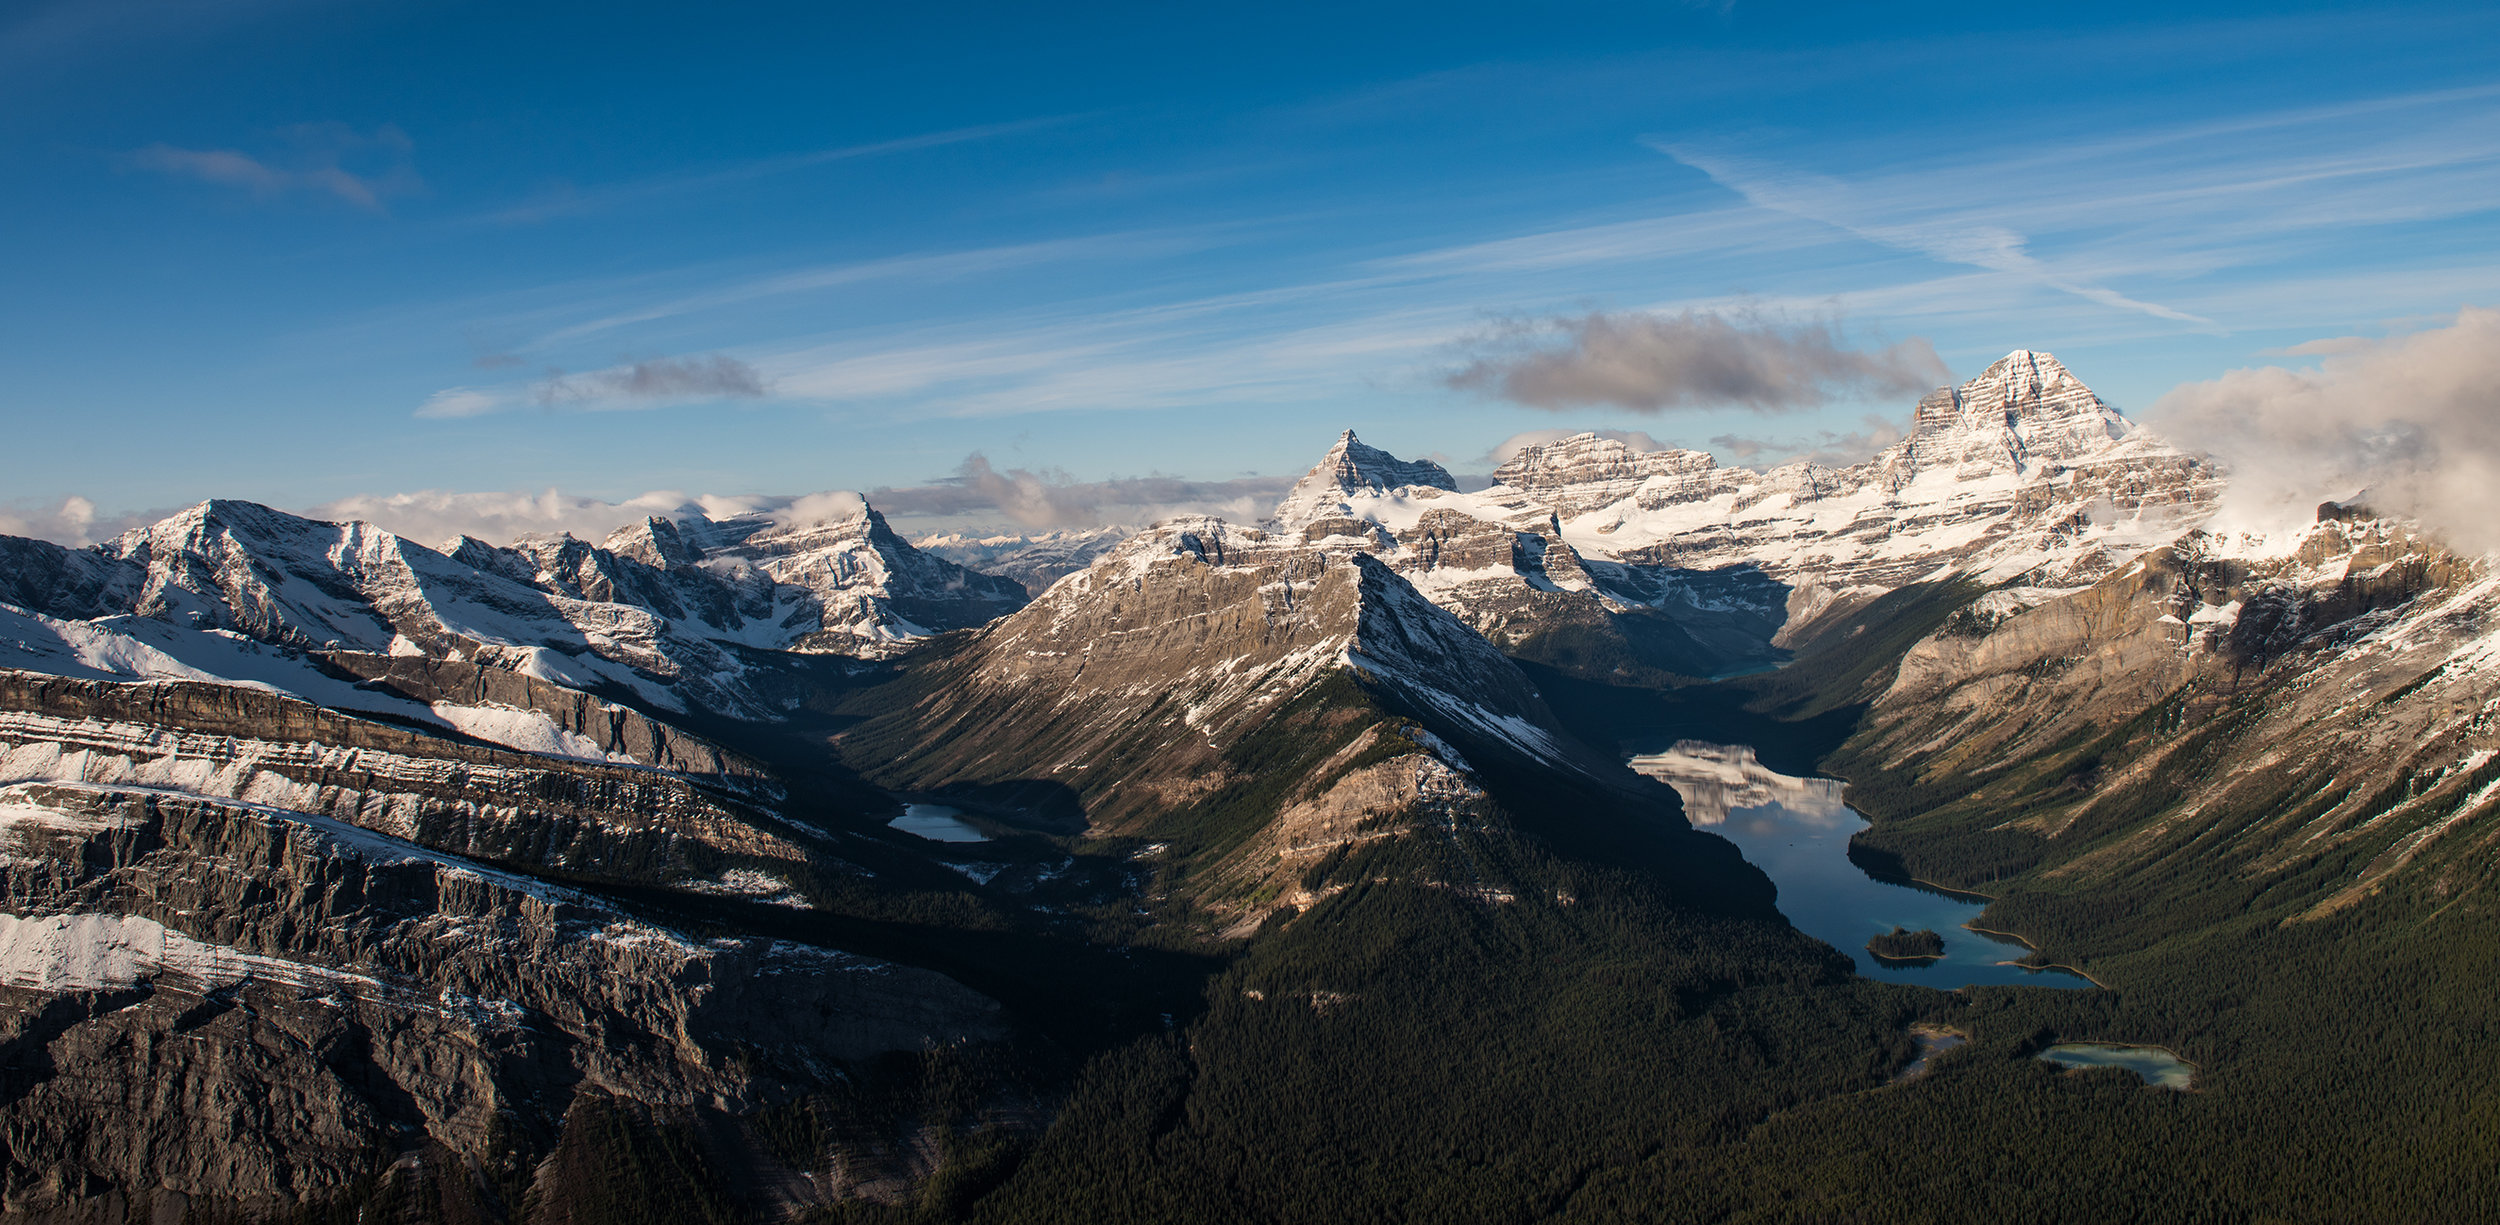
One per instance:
[(259, 954), (229, 1004), (1607, 561), (602, 818), (2278, 702), (1215, 624), (279, 804)]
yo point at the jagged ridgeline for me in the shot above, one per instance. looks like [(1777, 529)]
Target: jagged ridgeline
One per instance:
[(1275, 871)]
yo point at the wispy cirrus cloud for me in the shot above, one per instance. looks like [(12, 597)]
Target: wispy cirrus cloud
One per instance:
[(2196, 205), (316, 162), (923, 268), (1958, 240), (569, 201), (2052, 235)]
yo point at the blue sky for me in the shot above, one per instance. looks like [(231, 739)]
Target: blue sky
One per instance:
[(304, 253)]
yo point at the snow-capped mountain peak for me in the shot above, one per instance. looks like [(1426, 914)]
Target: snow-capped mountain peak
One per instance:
[(2018, 468), (656, 611), (2023, 414), (1352, 467)]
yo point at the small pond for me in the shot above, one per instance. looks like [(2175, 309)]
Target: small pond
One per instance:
[(937, 823), (2151, 1064), (1797, 831), (1931, 1043)]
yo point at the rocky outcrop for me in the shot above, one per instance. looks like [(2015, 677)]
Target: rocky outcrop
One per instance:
[(665, 615), (619, 731), (1220, 622), (1618, 564), (2025, 414), (1584, 472), (1506, 570), (213, 1004), (474, 800), (275, 800)]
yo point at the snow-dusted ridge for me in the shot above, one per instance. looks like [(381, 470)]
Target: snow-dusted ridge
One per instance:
[(2020, 470), (242, 594)]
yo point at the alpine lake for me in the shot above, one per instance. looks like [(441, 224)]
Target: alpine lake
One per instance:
[(1797, 831)]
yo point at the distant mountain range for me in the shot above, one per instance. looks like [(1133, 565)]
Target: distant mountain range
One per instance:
[(479, 883)]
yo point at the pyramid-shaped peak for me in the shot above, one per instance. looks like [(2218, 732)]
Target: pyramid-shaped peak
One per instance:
[(656, 541), (1352, 467), (2025, 413), (2026, 383), (2025, 369)]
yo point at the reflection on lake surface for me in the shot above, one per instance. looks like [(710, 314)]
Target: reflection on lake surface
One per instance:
[(937, 823), (2151, 1064), (1797, 831)]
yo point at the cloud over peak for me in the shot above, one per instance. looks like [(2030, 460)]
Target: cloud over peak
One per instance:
[(2412, 419), (1652, 363)]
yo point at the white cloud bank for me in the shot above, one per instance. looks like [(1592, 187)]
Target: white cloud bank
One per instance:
[(2413, 420), (978, 496)]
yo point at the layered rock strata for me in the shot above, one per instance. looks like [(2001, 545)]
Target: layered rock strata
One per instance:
[(225, 1004), (2282, 702)]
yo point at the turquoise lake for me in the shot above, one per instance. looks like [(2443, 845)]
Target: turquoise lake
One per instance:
[(1797, 831), (2151, 1064), (937, 823)]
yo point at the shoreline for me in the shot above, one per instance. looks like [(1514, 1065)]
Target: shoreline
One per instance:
[(1941, 888), (2077, 971)]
